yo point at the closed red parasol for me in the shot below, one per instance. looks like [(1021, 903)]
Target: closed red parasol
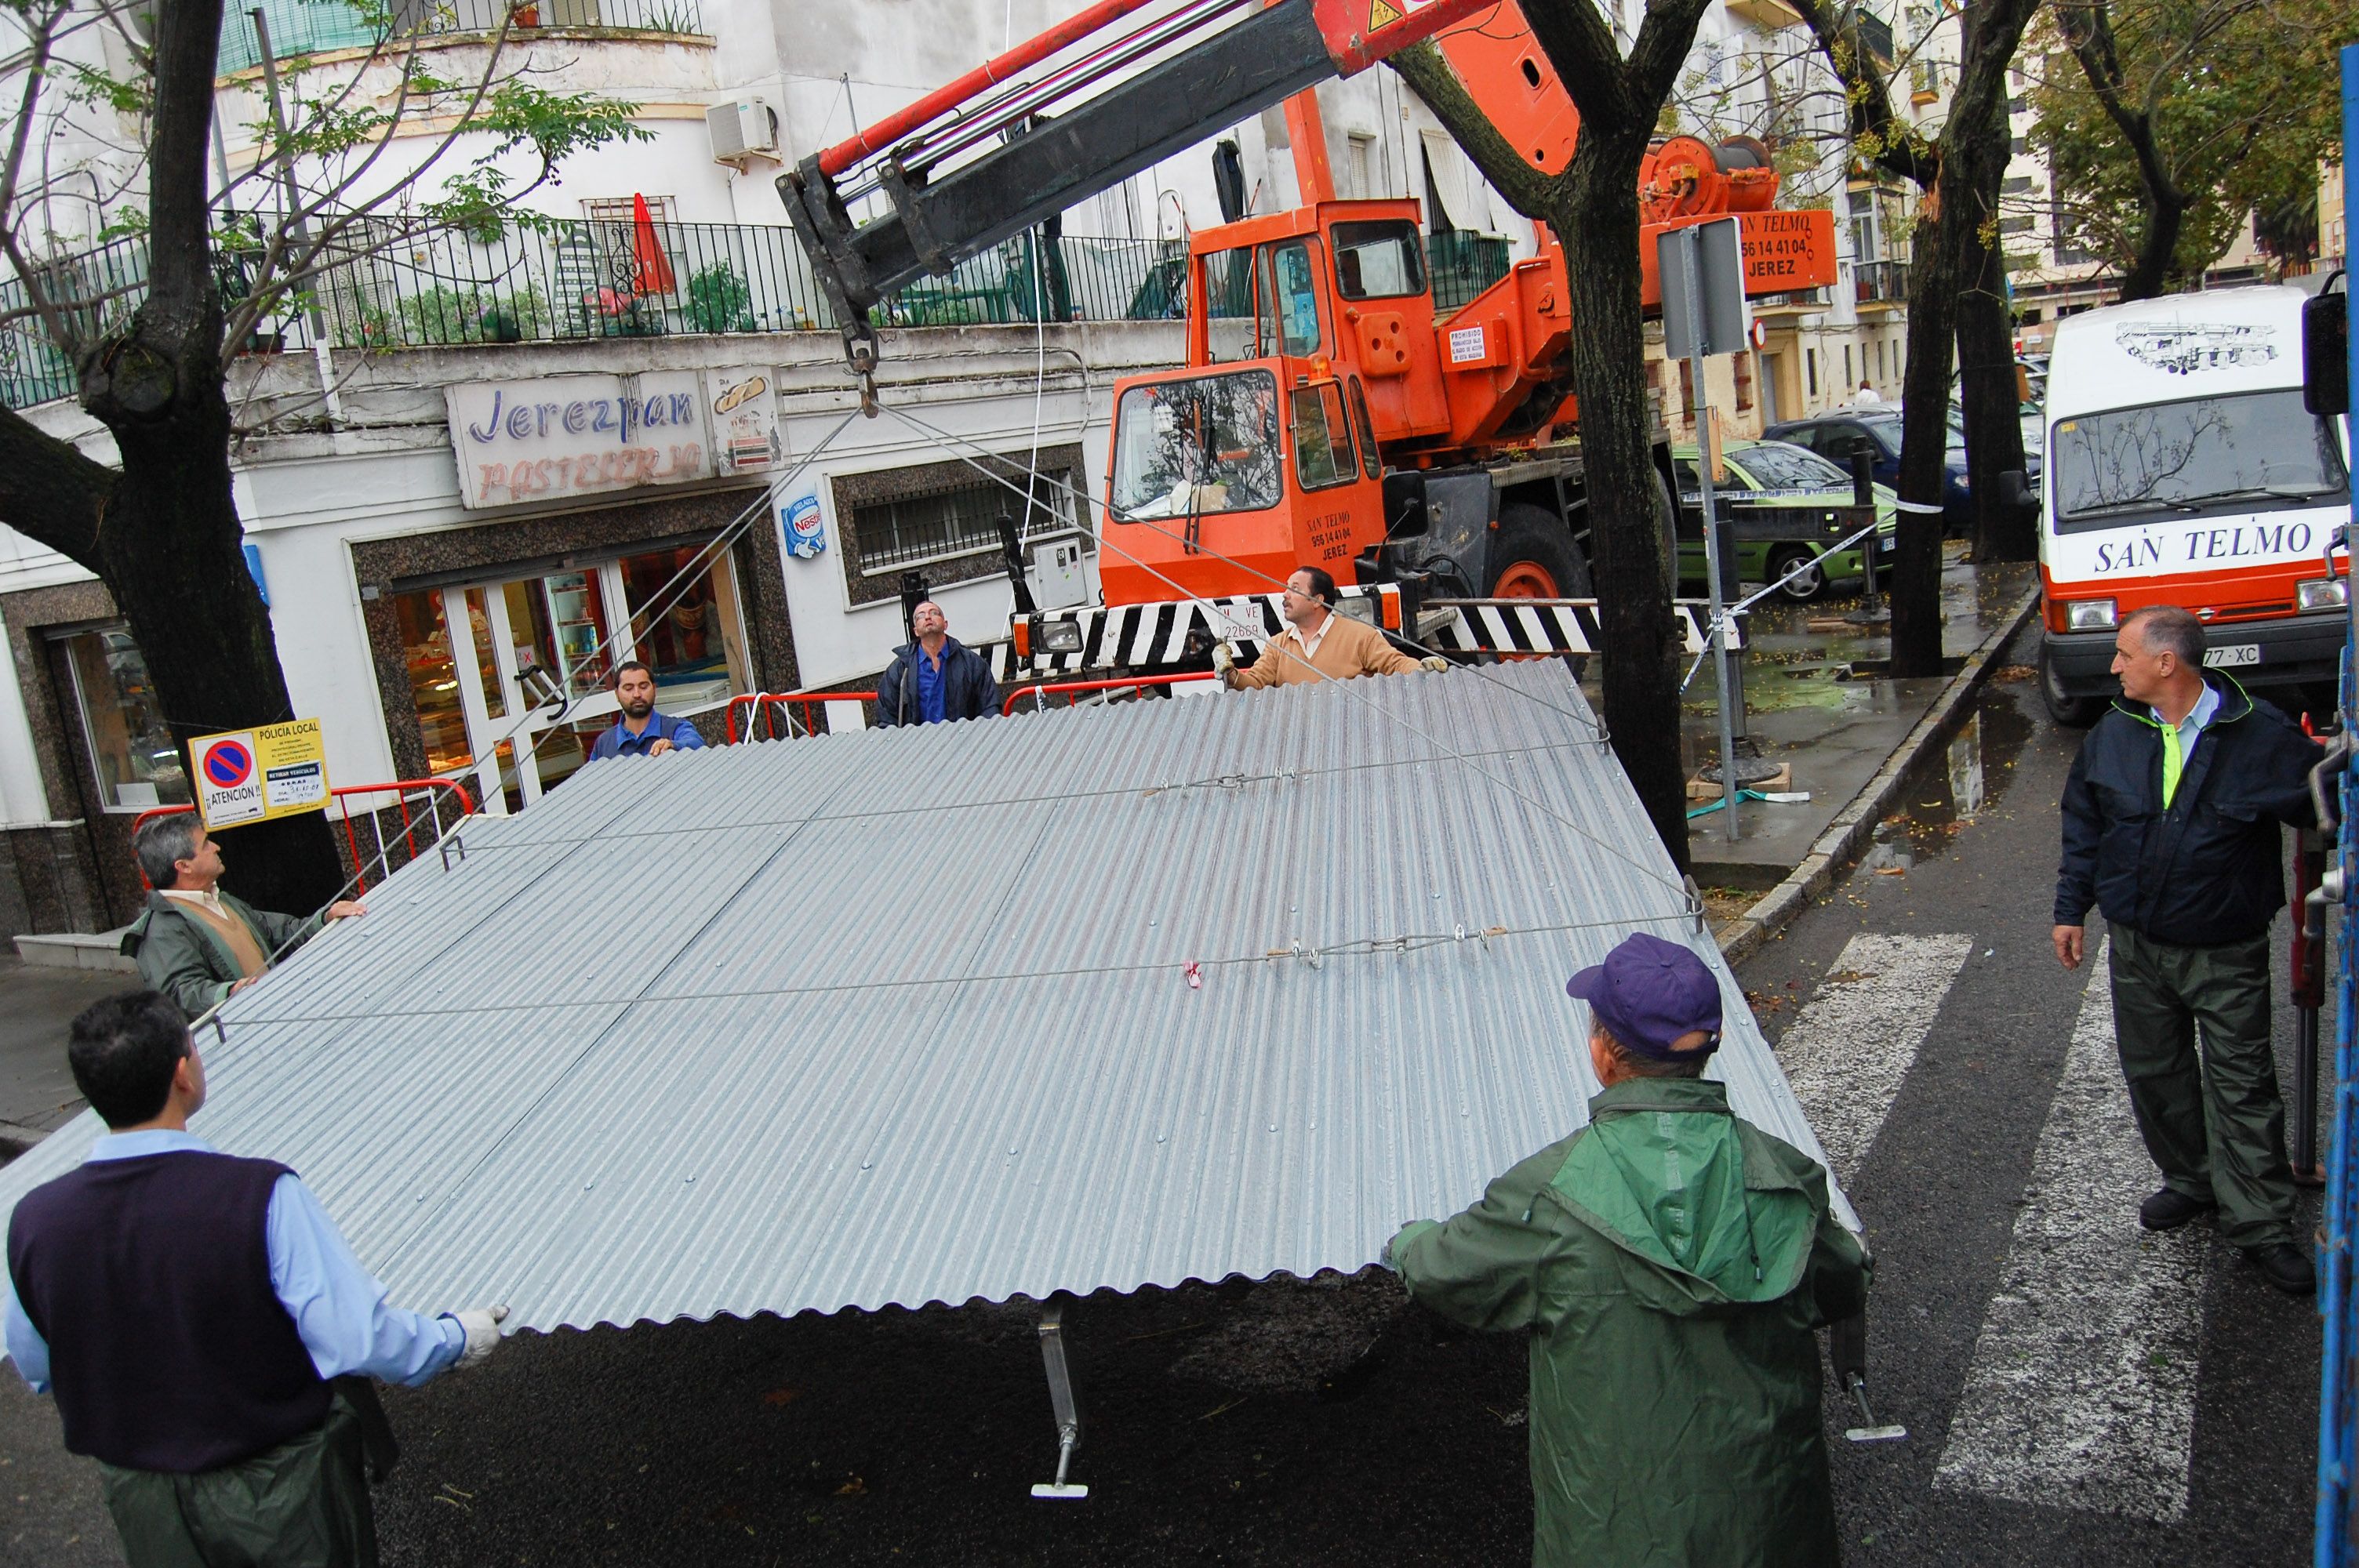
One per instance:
[(650, 268)]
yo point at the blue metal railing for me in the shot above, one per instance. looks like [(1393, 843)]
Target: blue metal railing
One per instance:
[(317, 27), (2338, 1393)]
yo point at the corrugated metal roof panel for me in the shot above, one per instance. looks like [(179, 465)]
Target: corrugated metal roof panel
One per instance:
[(904, 1016)]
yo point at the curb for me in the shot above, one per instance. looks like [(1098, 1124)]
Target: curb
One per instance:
[(1846, 836)]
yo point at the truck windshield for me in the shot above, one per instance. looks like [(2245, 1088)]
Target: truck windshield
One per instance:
[(2257, 451), (1188, 447)]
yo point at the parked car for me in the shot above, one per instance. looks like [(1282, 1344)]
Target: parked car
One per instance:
[(1778, 473), (1834, 436)]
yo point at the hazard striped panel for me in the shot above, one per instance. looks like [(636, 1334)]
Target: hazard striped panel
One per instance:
[(1152, 636)]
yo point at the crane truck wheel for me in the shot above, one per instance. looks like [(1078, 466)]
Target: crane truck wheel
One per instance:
[(1535, 557)]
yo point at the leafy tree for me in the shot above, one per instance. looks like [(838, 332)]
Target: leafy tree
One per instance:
[(2172, 120), (161, 531)]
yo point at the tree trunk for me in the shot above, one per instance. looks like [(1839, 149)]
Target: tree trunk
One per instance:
[(1987, 394), (1596, 219), (2165, 216), (169, 547), (1925, 397)]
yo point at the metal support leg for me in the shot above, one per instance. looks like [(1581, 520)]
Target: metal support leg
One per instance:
[(1061, 1403)]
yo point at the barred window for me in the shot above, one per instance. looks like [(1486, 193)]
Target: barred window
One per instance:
[(962, 521)]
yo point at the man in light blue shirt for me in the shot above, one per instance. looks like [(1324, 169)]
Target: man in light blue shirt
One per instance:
[(204, 1326)]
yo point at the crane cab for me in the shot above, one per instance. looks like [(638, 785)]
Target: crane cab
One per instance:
[(1263, 451)]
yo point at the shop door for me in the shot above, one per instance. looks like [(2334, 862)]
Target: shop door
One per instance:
[(547, 635)]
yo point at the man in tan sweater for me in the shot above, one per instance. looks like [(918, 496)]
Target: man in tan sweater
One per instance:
[(1318, 643)]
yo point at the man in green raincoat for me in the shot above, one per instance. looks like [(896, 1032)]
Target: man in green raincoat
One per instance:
[(1670, 1262)]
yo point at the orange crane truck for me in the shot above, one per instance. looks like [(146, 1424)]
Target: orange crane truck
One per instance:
[(1327, 412)]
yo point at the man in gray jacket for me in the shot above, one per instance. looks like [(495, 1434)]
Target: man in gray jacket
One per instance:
[(196, 943)]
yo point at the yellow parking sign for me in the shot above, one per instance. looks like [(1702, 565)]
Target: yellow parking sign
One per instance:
[(252, 775)]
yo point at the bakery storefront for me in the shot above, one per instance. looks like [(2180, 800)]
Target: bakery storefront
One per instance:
[(474, 629)]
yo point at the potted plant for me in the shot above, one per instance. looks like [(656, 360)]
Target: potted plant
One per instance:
[(720, 301)]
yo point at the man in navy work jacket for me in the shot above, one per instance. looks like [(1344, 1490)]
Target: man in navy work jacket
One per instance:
[(642, 731), (189, 1310), (935, 677), (2170, 828)]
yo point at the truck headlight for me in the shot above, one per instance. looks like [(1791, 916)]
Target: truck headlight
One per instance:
[(2089, 615), (1058, 637), (2323, 593)]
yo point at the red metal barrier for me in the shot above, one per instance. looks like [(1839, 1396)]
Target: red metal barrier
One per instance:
[(1136, 683), (400, 789), (762, 702)]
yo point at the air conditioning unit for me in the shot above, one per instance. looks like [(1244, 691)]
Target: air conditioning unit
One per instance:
[(744, 129)]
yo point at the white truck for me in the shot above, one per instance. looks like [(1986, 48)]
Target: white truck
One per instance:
[(2182, 468)]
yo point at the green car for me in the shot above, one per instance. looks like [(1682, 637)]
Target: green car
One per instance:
[(1778, 473)]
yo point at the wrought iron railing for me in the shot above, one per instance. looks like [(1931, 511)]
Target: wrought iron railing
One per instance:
[(1880, 283), (1463, 266), (395, 284), (316, 26)]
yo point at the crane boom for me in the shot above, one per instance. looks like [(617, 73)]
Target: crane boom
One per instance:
[(1195, 69)]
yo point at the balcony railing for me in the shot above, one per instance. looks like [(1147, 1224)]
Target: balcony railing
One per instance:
[(315, 27), (1880, 283), (398, 284), (1463, 266)]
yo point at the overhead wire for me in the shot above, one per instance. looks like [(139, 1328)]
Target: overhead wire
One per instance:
[(1365, 946), (936, 808)]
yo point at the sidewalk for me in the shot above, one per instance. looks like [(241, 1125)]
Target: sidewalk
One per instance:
[(36, 1003), (1815, 701)]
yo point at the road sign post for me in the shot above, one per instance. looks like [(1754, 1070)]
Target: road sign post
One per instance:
[(1703, 272)]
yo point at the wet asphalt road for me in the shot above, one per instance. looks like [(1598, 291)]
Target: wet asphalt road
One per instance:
[(1327, 1421)]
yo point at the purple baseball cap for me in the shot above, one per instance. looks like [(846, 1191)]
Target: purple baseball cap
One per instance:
[(1647, 993)]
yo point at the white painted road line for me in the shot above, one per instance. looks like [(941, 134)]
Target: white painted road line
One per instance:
[(2081, 1393), (1849, 1049)]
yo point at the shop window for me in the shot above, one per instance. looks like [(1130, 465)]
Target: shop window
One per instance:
[(130, 747), (688, 633), (433, 681)]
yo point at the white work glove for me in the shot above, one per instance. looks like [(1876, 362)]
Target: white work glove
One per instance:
[(483, 1328), (1224, 659), (1435, 662)]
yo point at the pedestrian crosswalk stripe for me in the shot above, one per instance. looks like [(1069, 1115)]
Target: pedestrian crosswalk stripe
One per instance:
[(2081, 1392), (1853, 1044)]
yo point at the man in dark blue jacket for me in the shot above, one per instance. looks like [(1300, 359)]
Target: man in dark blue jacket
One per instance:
[(2170, 828), (935, 677)]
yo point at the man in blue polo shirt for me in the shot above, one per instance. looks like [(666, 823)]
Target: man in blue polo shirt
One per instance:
[(642, 731)]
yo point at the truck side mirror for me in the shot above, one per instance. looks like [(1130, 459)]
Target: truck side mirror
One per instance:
[(2015, 491), (2326, 352)]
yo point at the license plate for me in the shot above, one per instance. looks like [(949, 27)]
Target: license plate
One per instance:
[(1883, 545), (2233, 656)]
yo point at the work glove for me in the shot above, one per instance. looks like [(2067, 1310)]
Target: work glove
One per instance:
[(1435, 662), (1224, 658), (482, 1329)]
